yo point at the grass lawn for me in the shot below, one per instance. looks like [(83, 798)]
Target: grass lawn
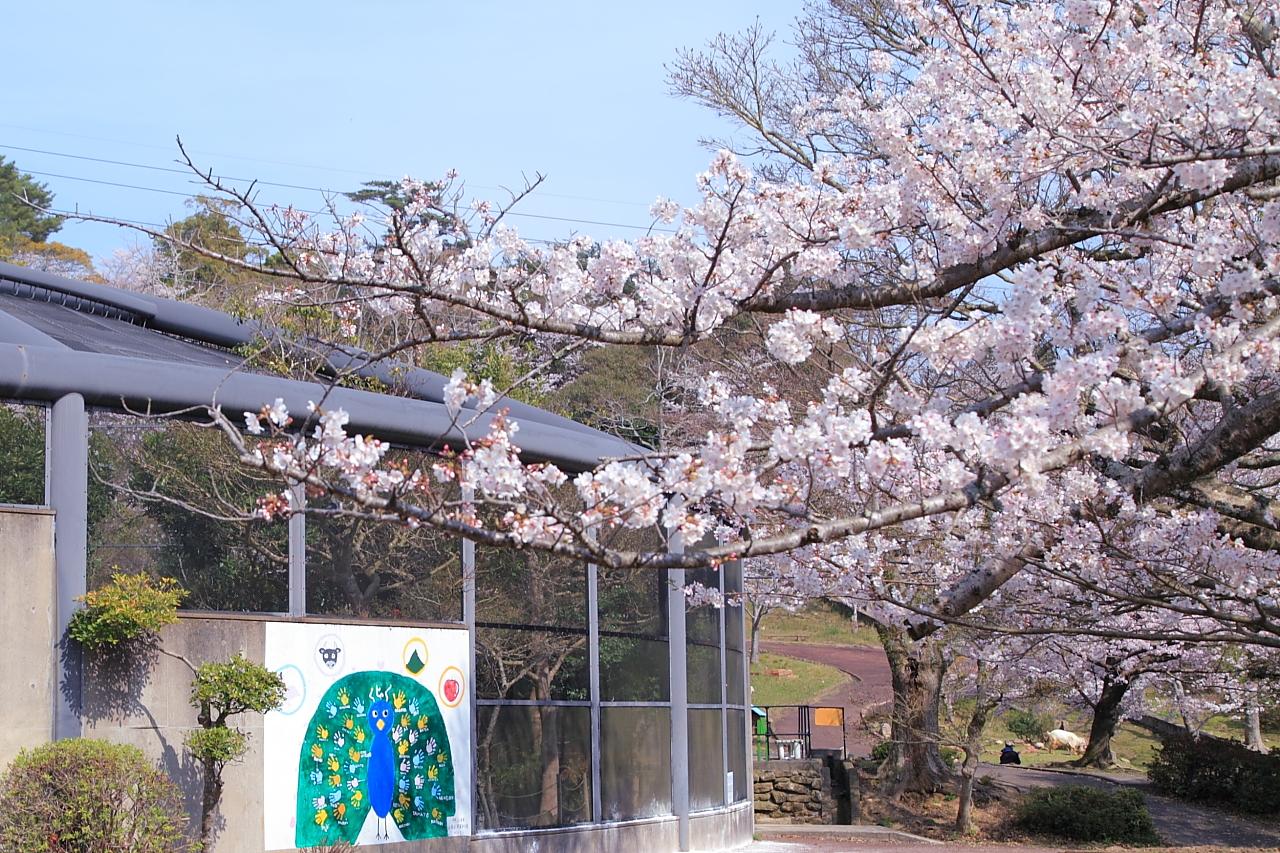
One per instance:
[(819, 624), (807, 682), (1135, 747), (1233, 728)]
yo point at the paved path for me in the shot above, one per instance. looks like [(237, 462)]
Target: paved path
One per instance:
[(871, 686), (1178, 822), (787, 844)]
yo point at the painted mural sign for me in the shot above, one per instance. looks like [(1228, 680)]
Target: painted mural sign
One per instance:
[(372, 744)]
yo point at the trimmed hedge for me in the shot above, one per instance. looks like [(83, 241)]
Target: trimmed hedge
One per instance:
[(1213, 770), (1083, 813), (89, 796)]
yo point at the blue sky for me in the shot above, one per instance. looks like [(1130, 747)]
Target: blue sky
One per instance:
[(326, 95)]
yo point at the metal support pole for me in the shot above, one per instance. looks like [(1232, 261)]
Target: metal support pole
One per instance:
[(593, 670), (298, 552), (677, 650), (69, 497), (469, 617), (724, 697), (740, 573)]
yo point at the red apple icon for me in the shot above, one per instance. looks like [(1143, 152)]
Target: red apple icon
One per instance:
[(451, 690)]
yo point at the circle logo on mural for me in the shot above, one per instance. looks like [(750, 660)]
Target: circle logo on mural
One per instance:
[(295, 689), (451, 687), (415, 656), (331, 655)]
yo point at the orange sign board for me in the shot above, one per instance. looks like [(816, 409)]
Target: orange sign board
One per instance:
[(828, 716)]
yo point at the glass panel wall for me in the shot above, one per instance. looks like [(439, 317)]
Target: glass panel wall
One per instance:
[(706, 759), (169, 498), (362, 569), (22, 440), (359, 568), (738, 753), (534, 758), (733, 635), (634, 665), (531, 626), (702, 630), (534, 766), (635, 762)]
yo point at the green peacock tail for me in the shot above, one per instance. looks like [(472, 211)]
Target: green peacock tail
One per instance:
[(333, 762)]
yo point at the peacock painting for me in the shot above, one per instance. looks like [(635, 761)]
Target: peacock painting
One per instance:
[(375, 749)]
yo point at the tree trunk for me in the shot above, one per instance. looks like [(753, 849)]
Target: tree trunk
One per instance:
[(914, 765), (757, 616), (211, 794), (1253, 729), (1106, 716), (546, 743), (982, 708)]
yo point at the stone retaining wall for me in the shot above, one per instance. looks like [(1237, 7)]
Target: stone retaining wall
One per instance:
[(795, 791)]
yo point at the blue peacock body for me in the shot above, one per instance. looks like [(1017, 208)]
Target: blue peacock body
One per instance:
[(376, 743)]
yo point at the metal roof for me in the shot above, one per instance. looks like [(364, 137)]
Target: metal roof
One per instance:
[(127, 351)]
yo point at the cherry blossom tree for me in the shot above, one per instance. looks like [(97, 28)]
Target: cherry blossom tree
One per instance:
[(1024, 255)]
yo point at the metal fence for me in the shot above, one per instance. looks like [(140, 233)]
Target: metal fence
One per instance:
[(798, 731)]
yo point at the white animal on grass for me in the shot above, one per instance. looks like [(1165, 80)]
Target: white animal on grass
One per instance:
[(1063, 739)]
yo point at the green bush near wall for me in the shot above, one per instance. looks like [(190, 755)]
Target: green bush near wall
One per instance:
[(85, 796)]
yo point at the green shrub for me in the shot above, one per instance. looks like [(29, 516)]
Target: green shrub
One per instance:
[(221, 744), (950, 756), (1082, 813), (1213, 770), (881, 750), (89, 796), (1028, 725), (131, 607), (1269, 718), (223, 688)]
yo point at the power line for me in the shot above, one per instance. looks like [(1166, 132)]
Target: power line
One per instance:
[(142, 223), (365, 174), (543, 216)]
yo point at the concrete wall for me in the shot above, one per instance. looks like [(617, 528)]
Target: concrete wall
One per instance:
[(144, 701), (27, 628)]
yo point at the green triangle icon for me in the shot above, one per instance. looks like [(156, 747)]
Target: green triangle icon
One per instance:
[(415, 664)]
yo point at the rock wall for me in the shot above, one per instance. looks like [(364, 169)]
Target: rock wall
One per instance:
[(794, 791)]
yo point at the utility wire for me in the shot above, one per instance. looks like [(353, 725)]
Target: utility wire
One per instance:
[(271, 162), (543, 216), (73, 214)]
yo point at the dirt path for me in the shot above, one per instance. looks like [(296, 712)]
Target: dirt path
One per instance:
[(1178, 822), (870, 687)]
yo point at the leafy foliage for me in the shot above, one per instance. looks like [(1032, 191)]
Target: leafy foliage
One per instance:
[(18, 220), (1207, 769), (52, 257), (1028, 725), (79, 796), (131, 607), (221, 744), (1083, 813), (224, 564), (21, 455), (221, 689)]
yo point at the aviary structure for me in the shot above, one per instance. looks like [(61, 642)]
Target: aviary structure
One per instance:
[(600, 708)]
